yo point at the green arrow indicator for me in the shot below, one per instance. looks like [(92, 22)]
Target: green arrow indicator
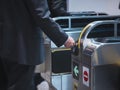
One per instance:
[(76, 71)]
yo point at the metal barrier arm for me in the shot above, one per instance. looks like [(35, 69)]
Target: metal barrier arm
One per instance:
[(82, 21), (92, 26)]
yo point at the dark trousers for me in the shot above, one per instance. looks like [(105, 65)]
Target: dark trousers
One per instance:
[(15, 76)]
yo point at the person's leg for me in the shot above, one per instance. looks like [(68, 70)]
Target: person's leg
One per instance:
[(37, 79), (20, 77), (3, 80), (43, 86)]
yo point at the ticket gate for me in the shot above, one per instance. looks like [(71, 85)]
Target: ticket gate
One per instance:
[(61, 57), (57, 68), (96, 57)]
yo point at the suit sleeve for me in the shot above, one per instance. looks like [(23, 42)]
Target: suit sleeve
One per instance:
[(50, 28)]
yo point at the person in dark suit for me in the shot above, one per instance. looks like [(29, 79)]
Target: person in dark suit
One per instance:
[(21, 23), (58, 8)]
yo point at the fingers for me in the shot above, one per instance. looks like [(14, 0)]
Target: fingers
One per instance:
[(69, 43)]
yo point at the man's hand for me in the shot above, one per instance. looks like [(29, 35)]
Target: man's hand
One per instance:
[(69, 43)]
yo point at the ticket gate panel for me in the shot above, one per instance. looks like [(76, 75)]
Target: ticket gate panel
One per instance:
[(106, 77), (61, 61), (106, 54), (100, 77)]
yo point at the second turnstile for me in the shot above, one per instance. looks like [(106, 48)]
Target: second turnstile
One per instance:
[(96, 59)]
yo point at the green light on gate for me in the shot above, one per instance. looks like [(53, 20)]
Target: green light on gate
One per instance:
[(76, 71)]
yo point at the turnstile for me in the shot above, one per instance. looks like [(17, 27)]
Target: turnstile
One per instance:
[(96, 59), (58, 60)]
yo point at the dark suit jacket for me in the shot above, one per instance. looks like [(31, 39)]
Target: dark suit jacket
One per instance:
[(22, 23), (58, 8)]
